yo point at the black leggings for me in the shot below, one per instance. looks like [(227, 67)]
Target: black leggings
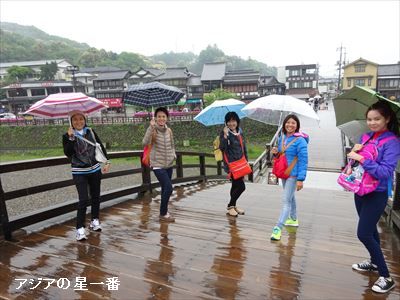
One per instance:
[(87, 184), (237, 189)]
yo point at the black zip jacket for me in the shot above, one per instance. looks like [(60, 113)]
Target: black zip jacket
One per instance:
[(232, 148), (80, 153)]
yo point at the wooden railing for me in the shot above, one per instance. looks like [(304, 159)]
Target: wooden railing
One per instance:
[(10, 225)]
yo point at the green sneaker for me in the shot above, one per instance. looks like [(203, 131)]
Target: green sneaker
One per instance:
[(276, 234), (291, 222)]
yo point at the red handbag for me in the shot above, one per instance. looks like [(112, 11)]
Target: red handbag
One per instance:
[(280, 166), (238, 168), (146, 155)]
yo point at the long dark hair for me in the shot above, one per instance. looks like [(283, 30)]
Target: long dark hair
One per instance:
[(294, 117), (385, 110)]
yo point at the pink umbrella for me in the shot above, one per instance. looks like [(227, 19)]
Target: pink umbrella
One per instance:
[(59, 105)]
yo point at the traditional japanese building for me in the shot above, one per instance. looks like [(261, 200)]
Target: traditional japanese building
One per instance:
[(389, 81), (144, 75), (108, 87), (269, 85), (175, 76), (244, 83), (212, 76), (20, 96)]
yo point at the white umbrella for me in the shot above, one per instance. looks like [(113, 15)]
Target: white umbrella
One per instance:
[(274, 108), (354, 129)]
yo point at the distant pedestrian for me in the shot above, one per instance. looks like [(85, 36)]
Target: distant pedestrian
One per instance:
[(383, 124), (86, 170), (233, 145), (162, 157), (295, 146), (326, 104), (316, 105)]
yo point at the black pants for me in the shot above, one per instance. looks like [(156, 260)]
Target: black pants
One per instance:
[(237, 189), (87, 184)]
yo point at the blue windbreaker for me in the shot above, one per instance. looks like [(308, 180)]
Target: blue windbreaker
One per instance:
[(299, 149)]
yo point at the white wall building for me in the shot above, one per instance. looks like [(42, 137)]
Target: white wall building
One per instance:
[(61, 74)]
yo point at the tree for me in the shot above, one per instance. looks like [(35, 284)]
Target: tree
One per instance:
[(48, 71), (17, 73), (218, 94)]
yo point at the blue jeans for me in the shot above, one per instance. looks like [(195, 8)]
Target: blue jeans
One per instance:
[(288, 201), (164, 177), (370, 208)]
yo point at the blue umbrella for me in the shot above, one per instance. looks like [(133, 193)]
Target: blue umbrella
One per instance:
[(215, 113), (152, 94)]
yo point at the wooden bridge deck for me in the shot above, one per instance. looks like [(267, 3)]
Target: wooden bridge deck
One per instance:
[(204, 254)]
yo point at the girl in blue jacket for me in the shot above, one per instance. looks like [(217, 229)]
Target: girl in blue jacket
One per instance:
[(382, 122), (299, 149)]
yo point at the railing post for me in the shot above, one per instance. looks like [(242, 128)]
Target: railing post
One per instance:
[(219, 167), (202, 166), (146, 175), (4, 215), (179, 166), (268, 154), (251, 175)]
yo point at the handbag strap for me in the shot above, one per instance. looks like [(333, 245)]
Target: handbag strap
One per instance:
[(284, 148), (86, 140), (291, 166)]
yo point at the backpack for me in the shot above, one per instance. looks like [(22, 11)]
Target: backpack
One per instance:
[(354, 178), (217, 151)]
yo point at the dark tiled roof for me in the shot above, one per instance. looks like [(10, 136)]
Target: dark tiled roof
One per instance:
[(269, 80), (389, 70), (194, 81), (113, 75), (295, 67), (174, 73), (239, 76), (154, 71), (213, 71), (99, 69)]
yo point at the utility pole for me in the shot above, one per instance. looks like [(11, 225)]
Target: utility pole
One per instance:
[(73, 69), (340, 68)]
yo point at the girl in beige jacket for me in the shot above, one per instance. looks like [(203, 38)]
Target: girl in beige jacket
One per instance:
[(162, 157)]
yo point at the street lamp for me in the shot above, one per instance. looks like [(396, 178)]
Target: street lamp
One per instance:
[(73, 69)]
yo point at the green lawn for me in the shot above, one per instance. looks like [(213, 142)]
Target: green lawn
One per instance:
[(253, 151)]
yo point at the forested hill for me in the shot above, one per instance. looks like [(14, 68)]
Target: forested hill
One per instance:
[(24, 43)]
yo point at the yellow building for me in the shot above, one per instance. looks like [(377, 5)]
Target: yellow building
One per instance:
[(360, 72)]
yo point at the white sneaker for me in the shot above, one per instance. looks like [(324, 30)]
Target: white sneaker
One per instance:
[(80, 234), (231, 211), (95, 225)]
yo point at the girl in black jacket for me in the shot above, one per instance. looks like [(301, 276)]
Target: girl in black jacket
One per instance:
[(86, 170), (231, 147)]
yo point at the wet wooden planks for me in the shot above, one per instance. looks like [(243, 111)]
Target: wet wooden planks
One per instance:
[(204, 254)]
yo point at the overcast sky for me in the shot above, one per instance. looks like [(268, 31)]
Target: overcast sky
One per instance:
[(277, 33)]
